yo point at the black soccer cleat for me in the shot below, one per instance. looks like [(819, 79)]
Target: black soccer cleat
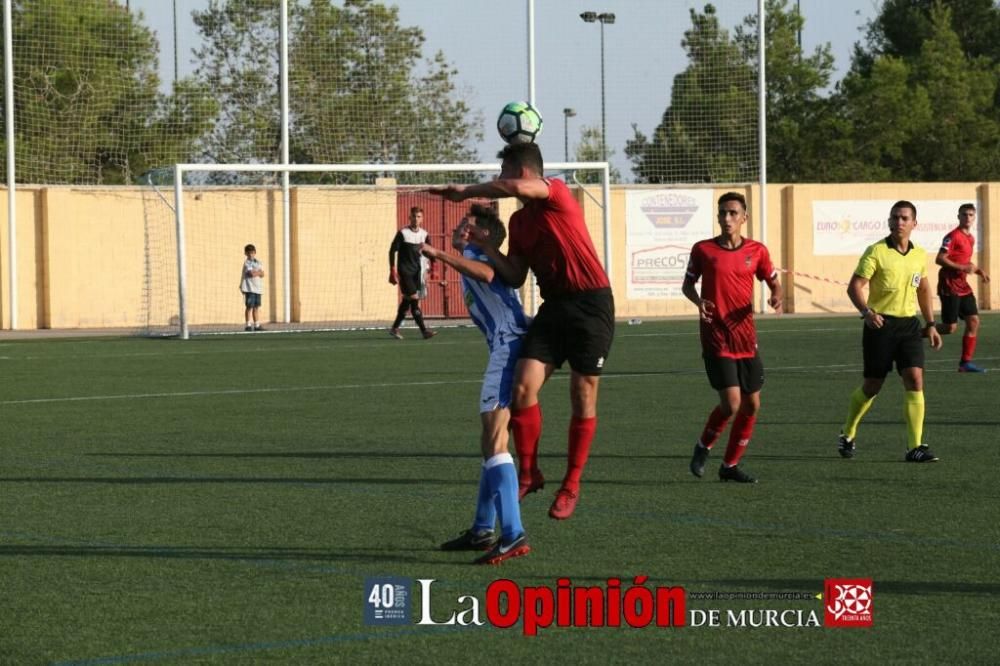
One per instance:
[(845, 446), (471, 540), (921, 454), (698, 459), (736, 474), (501, 551)]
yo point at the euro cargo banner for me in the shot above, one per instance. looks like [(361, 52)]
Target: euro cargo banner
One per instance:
[(847, 227)]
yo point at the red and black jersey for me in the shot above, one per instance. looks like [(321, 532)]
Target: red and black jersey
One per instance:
[(958, 247), (727, 279), (552, 235)]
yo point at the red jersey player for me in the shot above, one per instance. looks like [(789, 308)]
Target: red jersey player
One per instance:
[(575, 323), (727, 266), (957, 298)]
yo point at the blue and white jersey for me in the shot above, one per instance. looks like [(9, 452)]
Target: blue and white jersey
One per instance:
[(495, 307)]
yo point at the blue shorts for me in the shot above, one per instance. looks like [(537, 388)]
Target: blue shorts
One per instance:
[(252, 300), (498, 381)]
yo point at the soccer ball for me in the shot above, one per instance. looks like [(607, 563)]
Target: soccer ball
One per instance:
[(519, 122)]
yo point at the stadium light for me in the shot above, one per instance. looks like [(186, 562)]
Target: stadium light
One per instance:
[(567, 114), (602, 18)]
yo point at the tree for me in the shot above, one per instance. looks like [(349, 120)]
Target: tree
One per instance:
[(795, 105), (963, 140), (924, 115), (239, 61), (902, 27), (708, 133), (589, 150), (359, 90), (86, 104)]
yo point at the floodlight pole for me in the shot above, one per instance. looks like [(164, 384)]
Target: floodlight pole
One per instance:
[(602, 18), (567, 114)]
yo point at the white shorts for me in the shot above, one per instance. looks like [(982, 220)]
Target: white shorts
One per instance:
[(498, 382)]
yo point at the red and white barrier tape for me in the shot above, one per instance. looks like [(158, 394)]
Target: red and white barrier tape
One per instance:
[(820, 278)]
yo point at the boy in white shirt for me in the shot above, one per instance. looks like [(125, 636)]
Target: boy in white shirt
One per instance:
[(252, 286)]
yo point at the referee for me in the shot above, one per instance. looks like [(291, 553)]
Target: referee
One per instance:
[(895, 271)]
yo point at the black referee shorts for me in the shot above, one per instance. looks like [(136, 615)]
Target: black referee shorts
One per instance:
[(899, 341), (577, 328)]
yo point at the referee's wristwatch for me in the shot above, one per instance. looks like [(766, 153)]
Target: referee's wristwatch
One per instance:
[(930, 324), (865, 312)]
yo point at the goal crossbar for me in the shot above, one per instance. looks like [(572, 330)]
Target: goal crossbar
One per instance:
[(180, 169)]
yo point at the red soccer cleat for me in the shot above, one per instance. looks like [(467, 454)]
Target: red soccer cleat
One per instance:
[(564, 504), (532, 485)]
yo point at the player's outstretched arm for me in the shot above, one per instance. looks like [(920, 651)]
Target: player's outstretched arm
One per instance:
[(477, 270), (522, 188)]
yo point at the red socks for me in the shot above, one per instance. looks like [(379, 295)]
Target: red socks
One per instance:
[(968, 347), (739, 437), (581, 434), (713, 428), (526, 424)]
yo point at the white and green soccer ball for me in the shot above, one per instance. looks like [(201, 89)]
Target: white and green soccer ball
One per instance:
[(519, 122)]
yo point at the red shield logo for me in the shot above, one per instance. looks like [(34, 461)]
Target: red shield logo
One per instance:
[(847, 602)]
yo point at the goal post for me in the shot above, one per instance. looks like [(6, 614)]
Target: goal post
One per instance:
[(324, 249)]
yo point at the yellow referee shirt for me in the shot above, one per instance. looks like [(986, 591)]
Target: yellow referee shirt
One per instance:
[(892, 277)]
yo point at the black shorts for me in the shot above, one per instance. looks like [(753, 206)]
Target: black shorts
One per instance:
[(723, 372), (953, 307), (251, 299), (409, 284), (577, 328), (899, 341)]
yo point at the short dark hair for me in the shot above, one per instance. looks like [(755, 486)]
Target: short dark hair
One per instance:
[(966, 206), (416, 209), (524, 155), (734, 196), (487, 218), (249, 248), (905, 204)]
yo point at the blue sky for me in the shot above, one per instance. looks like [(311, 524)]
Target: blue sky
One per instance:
[(487, 42)]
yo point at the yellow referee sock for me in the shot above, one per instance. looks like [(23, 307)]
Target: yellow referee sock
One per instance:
[(913, 411), (859, 406)]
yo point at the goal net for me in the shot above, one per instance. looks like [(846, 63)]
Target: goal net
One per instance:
[(324, 247)]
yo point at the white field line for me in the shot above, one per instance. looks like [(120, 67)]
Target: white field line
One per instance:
[(835, 368), (337, 346)]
